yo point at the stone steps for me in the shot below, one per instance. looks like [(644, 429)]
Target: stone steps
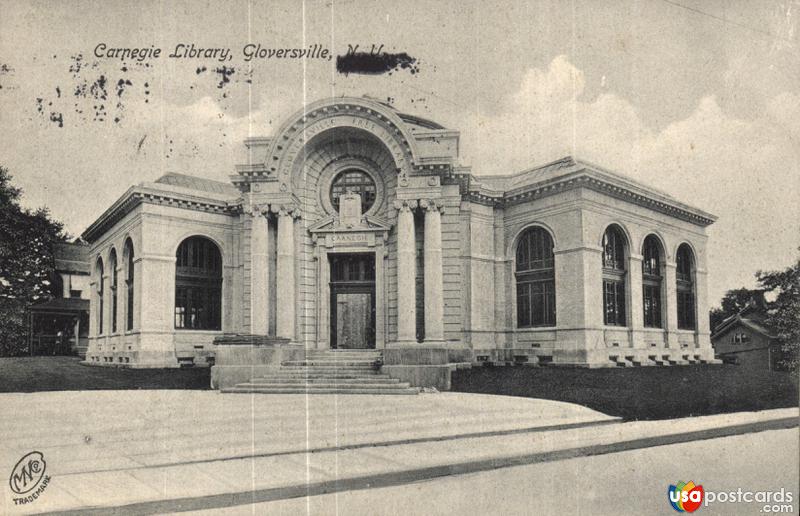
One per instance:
[(328, 372), (331, 363), (329, 369), (324, 385), (324, 379), (326, 390)]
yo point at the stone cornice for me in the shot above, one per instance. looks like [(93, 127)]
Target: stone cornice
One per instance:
[(597, 181), (144, 195)]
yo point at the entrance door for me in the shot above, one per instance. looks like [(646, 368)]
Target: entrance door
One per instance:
[(352, 301)]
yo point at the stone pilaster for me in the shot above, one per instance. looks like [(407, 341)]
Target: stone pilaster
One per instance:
[(636, 304), (285, 272), (107, 306), (434, 284), (406, 273), (259, 272), (671, 303), (701, 310), (94, 303)]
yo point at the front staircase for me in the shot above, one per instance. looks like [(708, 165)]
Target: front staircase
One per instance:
[(328, 372)]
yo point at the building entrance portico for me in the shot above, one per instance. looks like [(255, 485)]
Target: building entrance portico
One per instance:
[(351, 296)]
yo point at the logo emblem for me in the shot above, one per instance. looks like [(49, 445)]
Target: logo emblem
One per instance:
[(685, 496), (28, 472)]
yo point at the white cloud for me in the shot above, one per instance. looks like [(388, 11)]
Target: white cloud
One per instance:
[(745, 171)]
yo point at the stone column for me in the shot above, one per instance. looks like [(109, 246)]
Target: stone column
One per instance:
[(259, 272), (434, 284), (285, 273), (406, 273)]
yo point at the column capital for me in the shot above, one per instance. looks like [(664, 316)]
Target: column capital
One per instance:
[(405, 204), (256, 210), (284, 210), (431, 205)]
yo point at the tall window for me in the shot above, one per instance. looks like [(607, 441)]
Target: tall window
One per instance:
[(198, 285), (651, 282), (614, 277), (536, 288), (100, 295), (113, 266), (354, 181), (129, 286), (685, 288)]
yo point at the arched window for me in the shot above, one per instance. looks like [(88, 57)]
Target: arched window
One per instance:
[(614, 277), (100, 295), (354, 181), (685, 287), (129, 285), (535, 275), (651, 282), (113, 270), (198, 285)]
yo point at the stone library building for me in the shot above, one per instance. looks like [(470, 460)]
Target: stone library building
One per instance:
[(354, 229)]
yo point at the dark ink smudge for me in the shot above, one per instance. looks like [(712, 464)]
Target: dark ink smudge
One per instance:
[(57, 118), (225, 74), (369, 63)]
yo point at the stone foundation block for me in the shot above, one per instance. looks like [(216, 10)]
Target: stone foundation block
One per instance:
[(225, 376), (414, 355), (437, 376)]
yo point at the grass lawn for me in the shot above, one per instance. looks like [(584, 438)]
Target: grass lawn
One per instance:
[(640, 393), (35, 374)]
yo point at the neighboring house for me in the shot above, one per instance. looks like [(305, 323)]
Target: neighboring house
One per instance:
[(355, 226), (744, 340), (61, 326)]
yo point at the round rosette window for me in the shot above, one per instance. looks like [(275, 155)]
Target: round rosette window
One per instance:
[(357, 182)]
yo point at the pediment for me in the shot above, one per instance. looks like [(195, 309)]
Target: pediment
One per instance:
[(367, 223)]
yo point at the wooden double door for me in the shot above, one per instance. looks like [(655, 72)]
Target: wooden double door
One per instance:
[(352, 288)]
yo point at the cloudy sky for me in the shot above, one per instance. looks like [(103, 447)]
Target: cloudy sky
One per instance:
[(700, 99)]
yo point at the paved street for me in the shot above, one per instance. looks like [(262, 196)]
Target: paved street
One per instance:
[(180, 450), (633, 482)]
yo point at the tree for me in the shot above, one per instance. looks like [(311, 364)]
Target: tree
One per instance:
[(783, 314), (26, 263), (735, 301)]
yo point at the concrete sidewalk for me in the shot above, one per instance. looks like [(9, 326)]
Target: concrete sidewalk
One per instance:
[(179, 450)]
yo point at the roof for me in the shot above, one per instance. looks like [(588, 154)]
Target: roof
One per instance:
[(62, 304), (752, 320), (71, 257), (570, 172), (200, 184), (412, 120), (173, 189)]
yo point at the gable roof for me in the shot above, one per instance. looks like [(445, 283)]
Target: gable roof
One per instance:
[(752, 321)]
